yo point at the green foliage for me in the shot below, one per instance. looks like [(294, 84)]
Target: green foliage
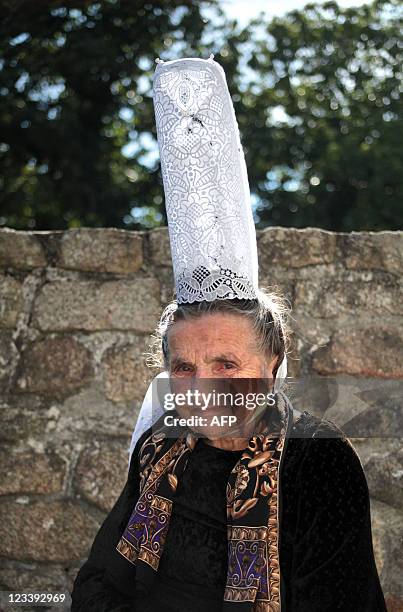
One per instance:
[(335, 160), (73, 98), (316, 95)]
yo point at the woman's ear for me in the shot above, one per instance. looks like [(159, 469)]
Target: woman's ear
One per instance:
[(272, 370), (273, 366)]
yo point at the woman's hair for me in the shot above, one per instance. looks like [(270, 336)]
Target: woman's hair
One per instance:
[(268, 313)]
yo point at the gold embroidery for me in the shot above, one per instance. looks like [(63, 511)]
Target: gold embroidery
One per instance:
[(265, 456), (149, 547)]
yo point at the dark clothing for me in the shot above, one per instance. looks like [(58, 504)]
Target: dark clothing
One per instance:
[(326, 555), (196, 545)]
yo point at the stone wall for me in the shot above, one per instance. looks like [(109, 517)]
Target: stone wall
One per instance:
[(77, 309)]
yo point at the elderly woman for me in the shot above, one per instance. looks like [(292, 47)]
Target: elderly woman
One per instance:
[(258, 521)]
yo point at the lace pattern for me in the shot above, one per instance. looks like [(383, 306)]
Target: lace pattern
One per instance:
[(211, 228)]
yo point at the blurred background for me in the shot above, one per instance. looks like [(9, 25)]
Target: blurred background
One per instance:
[(315, 89)]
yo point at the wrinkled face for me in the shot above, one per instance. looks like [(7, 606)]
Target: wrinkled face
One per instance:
[(215, 346)]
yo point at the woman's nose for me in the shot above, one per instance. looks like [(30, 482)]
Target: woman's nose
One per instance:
[(204, 371)]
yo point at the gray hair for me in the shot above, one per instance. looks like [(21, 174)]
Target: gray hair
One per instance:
[(268, 313)]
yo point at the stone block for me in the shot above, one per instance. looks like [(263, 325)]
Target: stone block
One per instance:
[(23, 418), (101, 473), (370, 352), (34, 577), (89, 414), (11, 301), (101, 250), (159, 247), (97, 305), (8, 354), (26, 471), (59, 365), (295, 248), (43, 530), (20, 250), (345, 295), (384, 471), (371, 250), (124, 371), (387, 532)]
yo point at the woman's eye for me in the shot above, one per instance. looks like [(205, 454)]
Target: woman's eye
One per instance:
[(183, 368), (228, 366)]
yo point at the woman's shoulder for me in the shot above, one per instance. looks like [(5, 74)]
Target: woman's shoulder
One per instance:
[(319, 447), (308, 425)]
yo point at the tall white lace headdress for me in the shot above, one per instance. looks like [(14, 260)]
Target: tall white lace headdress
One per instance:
[(207, 198)]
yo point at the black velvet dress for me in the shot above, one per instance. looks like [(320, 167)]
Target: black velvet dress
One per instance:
[(326, 556)]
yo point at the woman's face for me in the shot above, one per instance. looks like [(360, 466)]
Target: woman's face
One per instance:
[(215, 346)]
